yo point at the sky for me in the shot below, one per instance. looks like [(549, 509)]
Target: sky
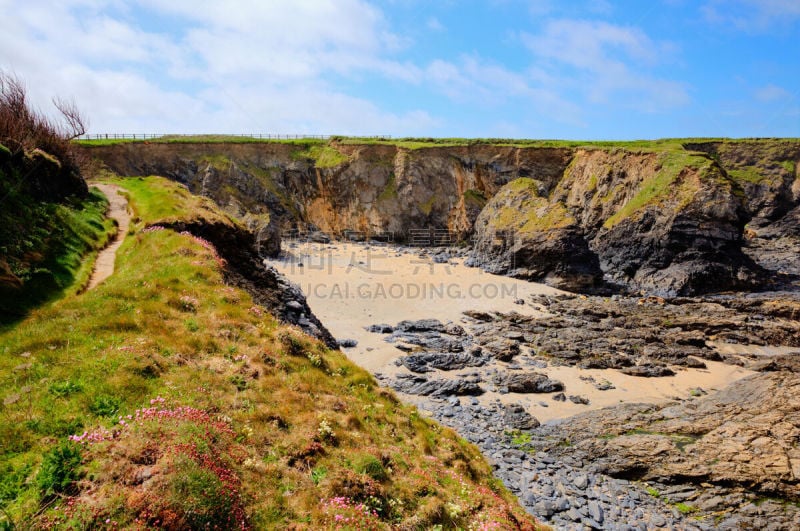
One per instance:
[(579, 69)]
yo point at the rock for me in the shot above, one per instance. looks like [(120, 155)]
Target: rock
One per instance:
[(578, 399), (502, 349), (419, 385), (516, 417), (380, 328), (596, 512), (348, 343), (294, 306), (555, 252), (581, 481), (421, 325), (528, 382), (648, 371), (442, 361), (560, 397), (544, 508)]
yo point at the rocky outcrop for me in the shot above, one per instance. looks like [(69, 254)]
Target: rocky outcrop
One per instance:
[(668, 223), (767, 171), (724, 451), (523, 234)]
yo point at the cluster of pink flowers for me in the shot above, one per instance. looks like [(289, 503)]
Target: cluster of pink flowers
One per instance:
[(208, 245), (255, 310), (96, 436), (178, 414), (189, 303), (152, 228), (344, 513)]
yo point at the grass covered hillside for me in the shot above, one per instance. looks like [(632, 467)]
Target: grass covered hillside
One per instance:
[(164, 398)]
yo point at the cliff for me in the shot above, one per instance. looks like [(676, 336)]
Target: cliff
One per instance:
[(667, 216)]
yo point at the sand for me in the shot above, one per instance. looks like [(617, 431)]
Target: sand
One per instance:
[(350, 286), (118, 210)]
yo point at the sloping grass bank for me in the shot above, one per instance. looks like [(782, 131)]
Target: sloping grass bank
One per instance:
[(165, 399), (46, 248)]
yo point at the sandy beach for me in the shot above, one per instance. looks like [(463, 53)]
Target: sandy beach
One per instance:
[(350, 286)]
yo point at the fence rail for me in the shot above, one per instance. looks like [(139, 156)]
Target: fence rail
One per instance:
[(262, 136)]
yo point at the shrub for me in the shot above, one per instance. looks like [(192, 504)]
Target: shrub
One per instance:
[(105, 405), (60, 469), (371, 466), (24, 129), (64, 388)]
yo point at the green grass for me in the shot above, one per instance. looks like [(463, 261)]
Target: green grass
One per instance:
[(685, 508), (164, 201), (525, 212), (201, 139), (390, 190), (324, 156), (475, 197), (269, 435), (663, 185), (748, 174)]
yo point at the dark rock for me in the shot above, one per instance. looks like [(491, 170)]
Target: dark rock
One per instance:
[(560, 397), (348, 343), (419, 385), (575, 399), (502, 349), (380, 328), (648, 371), (528, 382), (422, 325), (516, 417), (442, 361)]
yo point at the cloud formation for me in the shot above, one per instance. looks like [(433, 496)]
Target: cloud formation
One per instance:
[(604, 61)]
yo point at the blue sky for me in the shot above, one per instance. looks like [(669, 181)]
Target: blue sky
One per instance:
[(581, 69)]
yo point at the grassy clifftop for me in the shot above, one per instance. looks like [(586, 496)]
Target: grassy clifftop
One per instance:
[(166, 399)]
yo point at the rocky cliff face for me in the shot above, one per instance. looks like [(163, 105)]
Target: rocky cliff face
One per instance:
[(666, 220), (767, 171), (342, 187), (670, 223)]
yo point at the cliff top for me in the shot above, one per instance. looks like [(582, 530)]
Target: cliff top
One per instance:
[(421, 143)]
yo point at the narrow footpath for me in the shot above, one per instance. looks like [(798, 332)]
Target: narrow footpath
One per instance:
[(117, 210)]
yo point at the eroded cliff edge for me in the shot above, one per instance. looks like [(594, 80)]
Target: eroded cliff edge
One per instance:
[(667, 217)]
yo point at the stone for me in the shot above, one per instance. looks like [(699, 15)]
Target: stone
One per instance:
[(516, 417), (347, 343), (528, 382)]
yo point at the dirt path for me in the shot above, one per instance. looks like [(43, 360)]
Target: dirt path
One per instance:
[(118, 210)]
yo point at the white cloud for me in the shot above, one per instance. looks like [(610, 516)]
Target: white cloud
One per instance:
[(237, 66), (483, 84), (607, 63), (433, 24), (752, 16), (770, 93)]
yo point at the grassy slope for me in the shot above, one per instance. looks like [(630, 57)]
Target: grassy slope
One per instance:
[(45, 245), (281, 430)]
